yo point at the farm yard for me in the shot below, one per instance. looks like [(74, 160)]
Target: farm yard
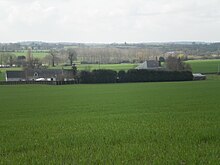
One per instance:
[(109, 82), (198, 66), (136, 123), (116, 67)]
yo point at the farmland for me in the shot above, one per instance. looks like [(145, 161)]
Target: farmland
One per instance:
[(204, 66), (116, 67), (36, 54), (140, 123)]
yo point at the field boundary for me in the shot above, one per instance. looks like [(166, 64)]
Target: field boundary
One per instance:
[(37, 82)]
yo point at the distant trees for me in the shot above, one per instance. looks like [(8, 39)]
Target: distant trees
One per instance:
[(107, 54), (176, 64)]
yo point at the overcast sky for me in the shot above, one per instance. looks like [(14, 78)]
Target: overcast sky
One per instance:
[(109, 20)]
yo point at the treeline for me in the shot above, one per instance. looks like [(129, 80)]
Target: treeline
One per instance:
[(133, 75), (107, 55)]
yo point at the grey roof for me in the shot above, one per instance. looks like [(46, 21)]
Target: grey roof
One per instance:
[(46, 73), (38, 73), (15, 74), (150, 64)]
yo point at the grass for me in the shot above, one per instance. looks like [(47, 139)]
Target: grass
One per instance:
[(140, 123), (2, 76), (204, 66), (35, 54)]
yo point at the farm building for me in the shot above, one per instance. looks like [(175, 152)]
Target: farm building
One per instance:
[(39, 75), (14, 76), (150, 64)]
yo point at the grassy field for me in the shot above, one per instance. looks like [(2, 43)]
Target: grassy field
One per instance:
[(204, 66), (140, 123), (35, 54), (89, 67)]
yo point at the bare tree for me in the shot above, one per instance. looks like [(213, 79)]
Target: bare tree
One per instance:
[(176, 64), (29, 59), (72, 55), (53, 55)]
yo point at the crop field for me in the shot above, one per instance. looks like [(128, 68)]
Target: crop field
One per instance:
[(139, 123), (204, 66)]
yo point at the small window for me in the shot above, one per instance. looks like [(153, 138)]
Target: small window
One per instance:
[(35, 74)]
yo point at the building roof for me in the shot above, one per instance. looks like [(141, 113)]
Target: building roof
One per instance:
[(15, 74), (38, 73), (150, 64)]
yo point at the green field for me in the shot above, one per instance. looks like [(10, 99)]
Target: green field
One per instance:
[(89, 67), (204, 66), (140, 123), (35, 54)]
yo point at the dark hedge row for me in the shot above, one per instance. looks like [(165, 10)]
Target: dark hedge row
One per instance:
[(133, 75), (98, 76)]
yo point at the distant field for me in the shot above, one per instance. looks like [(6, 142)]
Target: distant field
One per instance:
[(89, 67), (35, 54), (204, 66), (140, 123)]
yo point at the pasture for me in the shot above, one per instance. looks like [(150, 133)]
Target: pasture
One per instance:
[(90, 67), (36, 54), (139, 123), (204, 66)]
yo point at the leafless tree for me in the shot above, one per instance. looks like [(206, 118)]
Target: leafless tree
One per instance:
[(53, 54), (72, 56), (176, 64)]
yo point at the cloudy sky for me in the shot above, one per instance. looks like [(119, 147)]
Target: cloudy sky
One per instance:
[(109, 20)]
